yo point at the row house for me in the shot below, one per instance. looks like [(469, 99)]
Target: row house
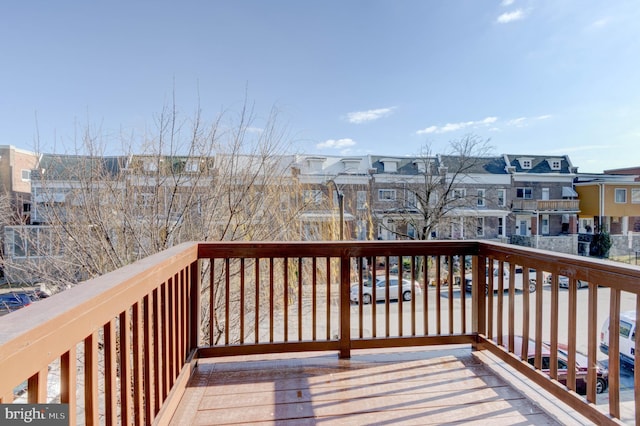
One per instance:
[(443, 197), (510, 198), (333, 195), (544, 201), (15, 182), (611, 203), (490, 198), (141, 204)]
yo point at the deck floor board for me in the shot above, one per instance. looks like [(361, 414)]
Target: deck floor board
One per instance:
[(373, 387)]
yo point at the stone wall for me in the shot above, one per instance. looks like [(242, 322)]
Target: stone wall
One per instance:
[(561, 244), (620, 246)]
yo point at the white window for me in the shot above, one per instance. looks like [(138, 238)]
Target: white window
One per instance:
[(361, 200), (481, 202), (411, 199), (192, 166), (458, 193), (386, 194), (480, 227), (635, 196), (26, 174), (284, 202), (621, 195), (526, 164), (312, 196), (31, 241), (411, 231), (361, 229), (502, 197), (555, 164), (524, 193), (390, 165), (150, 166)]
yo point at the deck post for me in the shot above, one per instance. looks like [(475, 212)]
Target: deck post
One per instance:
[(478, 296), (194, 305), (345, 307)]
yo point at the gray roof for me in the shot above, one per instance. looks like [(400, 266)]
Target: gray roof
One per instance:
[(539, 163), (75, 167), (491, 165)]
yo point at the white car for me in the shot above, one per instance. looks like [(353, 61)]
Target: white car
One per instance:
[(627, 342), (381, 286)]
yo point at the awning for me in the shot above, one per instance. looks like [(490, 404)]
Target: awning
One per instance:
[(567, 191)]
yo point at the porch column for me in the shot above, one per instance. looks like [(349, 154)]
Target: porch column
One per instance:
[(534, 225), (573, 224)]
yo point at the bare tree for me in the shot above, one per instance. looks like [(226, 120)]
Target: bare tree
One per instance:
[(189, 181), (431, 195)]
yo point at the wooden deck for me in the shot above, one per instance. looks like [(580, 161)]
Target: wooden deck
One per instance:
[(402, 386)]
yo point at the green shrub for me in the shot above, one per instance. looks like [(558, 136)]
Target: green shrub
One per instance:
[(600, 245)]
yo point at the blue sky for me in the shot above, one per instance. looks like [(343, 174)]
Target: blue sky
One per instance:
[(347, 77)]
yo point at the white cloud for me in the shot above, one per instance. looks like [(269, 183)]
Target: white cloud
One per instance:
[(600, 23), (452, 127), (254, 130), (517, 122), (333, 143), (507, 2), (430, 129), (526, 121), (370, 115), (510, 16)]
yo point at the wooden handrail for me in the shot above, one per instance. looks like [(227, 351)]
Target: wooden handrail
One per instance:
[(296, 296)]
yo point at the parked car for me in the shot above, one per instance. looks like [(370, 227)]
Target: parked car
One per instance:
[(518, 280), (582, 364), (627, 342), (563, 282), (13, 301), (381, 285)]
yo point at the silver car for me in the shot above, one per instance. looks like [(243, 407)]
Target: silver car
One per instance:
[(381, 287), (563, 282)]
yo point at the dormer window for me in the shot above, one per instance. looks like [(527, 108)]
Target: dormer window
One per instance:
[(555, 163), (423, 165), (350, 165), (526, 163), (390, 165), (316, 163)]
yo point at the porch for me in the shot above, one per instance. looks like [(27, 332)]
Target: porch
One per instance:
[(148, 342)]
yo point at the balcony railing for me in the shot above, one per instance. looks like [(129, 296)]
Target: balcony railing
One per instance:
[(547, 205), (121, 348)]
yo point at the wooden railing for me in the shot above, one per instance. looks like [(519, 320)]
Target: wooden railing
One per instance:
[(546, 205), (116, 349), (125, 344)]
